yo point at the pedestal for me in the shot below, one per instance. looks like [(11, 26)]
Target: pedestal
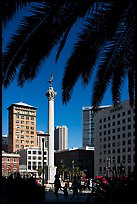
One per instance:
[(51, 174)]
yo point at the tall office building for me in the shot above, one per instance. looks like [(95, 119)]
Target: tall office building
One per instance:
[(21, 126), (61, 138), (88, 126), (114, 140)]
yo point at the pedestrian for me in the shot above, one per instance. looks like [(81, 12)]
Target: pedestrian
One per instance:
[(57, 185), (75, 188), (65, 190), (88, 184)]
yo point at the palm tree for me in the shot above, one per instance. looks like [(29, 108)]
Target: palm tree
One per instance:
[(106, 42)]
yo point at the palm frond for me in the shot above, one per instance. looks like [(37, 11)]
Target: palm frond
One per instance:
[(49, 27), (9, 8)]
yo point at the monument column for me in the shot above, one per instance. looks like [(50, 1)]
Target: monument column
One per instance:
[(51, 168)]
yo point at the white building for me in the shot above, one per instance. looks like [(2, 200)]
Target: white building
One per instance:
[(61, 138), (32, 158), (114, 134), (88, 126)]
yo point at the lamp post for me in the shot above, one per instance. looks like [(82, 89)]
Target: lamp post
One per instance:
[(46, 134), (73, 168)]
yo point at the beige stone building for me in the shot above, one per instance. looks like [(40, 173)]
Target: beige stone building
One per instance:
[(21, 126)]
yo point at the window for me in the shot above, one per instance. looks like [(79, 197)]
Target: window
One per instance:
[(109, 118), (22, 117), (123, 142), (32, 133), (109, 124), (123, 121), (109, 131), (118, 150), (27, 118), (123, 113), (17, 116), (22, 136), (129, 134), (129, 141), (27, 122), (32, 118), (118, 129), (27, 127), (118, 115), (17, 121), (129, 112), (113, 117), (17, 141), (129, 127), (118, 122), (129, 119), (22, 122), (113, 130), (123, 128)]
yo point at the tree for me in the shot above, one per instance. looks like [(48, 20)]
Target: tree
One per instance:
[(106, 42)]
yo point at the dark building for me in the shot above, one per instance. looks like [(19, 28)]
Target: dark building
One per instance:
[(79, 157)]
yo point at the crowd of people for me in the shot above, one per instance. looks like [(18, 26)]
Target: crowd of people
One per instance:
[(76, 187), (16, 187)]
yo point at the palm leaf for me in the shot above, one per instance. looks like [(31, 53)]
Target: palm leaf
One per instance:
[(9, 8)]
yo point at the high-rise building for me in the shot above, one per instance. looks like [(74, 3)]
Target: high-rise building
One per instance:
[(88, 125), (114, 131), (61, 138), (21, 126)]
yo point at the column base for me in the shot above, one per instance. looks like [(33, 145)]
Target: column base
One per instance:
[(51, 174)]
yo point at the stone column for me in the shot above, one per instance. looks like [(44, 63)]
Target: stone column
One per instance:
[(51, 168)]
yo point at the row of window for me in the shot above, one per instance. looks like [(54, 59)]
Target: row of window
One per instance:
[(23, 122), (116, 130), (116, 123), (27, 137), (22, 141), (26, 127), (36, 152), (113, 151), (124, 135), (25, 117), (114, 144), (116, 116), (119, 159)]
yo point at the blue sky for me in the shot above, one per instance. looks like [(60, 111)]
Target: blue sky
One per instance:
[(33, 93)]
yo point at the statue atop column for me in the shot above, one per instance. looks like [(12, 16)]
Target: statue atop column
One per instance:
[(51, 93), (51, 79)]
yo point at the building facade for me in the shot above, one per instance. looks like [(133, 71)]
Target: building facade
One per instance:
[(77, 157), (10, 163), (115, 140), (61, 138), (32, 158), (5, 143), (21, 126), (88, 126)]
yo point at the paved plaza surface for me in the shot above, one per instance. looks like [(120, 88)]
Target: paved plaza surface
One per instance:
[(50, 197)]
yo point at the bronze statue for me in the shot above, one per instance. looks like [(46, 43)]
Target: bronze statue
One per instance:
[(51, 79)]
